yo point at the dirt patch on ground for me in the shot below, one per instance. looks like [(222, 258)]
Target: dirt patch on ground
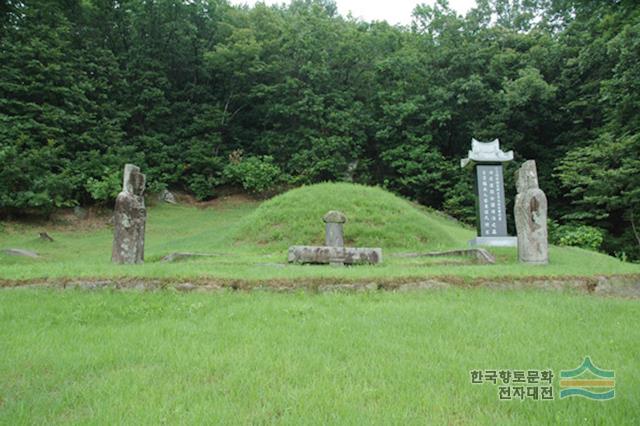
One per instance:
[(94, 218), (626, 286), (224, 201), (227, 199), (63, 220)]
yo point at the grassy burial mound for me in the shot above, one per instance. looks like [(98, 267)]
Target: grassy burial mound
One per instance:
[(375, 218)]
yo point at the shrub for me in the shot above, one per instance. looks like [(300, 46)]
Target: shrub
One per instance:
[(203, 172), (203, 187), (106, 188), (587, 237), (418, 172), (155, 186), (34, 177), (326, 159), (459, 200), (255, 174)]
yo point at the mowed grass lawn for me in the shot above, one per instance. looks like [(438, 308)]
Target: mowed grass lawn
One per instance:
[(250, 243), (125, 357)]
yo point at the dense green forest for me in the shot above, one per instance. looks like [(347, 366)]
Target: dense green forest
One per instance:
[(204, 95)]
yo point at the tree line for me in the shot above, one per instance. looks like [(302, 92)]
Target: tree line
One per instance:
[(202, 95)]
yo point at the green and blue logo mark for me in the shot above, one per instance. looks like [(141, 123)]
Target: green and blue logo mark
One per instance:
[(588, 381)]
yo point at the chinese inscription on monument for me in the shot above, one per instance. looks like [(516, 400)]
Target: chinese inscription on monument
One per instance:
[(491, 202)]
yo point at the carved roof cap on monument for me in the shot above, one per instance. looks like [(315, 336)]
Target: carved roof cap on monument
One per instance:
[(486, 152), (334, 216)]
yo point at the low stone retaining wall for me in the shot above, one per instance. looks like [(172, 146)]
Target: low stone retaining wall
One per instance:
[(627, 286)]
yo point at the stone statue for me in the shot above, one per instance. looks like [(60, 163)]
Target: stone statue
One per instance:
[(531, 216), (130, 218)]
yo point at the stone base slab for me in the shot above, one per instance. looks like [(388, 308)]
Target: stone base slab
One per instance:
[(334, 255), (535, 262), (494, 242)]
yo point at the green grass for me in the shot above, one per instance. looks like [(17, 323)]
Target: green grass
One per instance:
[(252, 247), (381, 357), (104, 357)]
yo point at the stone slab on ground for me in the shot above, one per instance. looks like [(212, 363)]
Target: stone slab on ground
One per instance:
[(172, 257), (20, 252), (331, 255), (481, 255)]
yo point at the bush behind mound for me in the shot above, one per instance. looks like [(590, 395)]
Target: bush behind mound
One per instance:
[(375, 218)]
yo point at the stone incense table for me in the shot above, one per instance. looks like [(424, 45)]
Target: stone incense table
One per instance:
[(334, 252), (130, 218), (530, 211)]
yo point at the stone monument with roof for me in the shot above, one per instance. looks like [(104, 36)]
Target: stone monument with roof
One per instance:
[(487, 160)]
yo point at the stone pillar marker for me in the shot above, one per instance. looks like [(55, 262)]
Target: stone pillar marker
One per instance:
[(130, 218), (334, 221), (487, 158), (530, 211), (334, 236)]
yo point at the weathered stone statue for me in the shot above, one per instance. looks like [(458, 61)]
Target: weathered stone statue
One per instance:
[(130, 218), (334, 221), (531, 216)]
